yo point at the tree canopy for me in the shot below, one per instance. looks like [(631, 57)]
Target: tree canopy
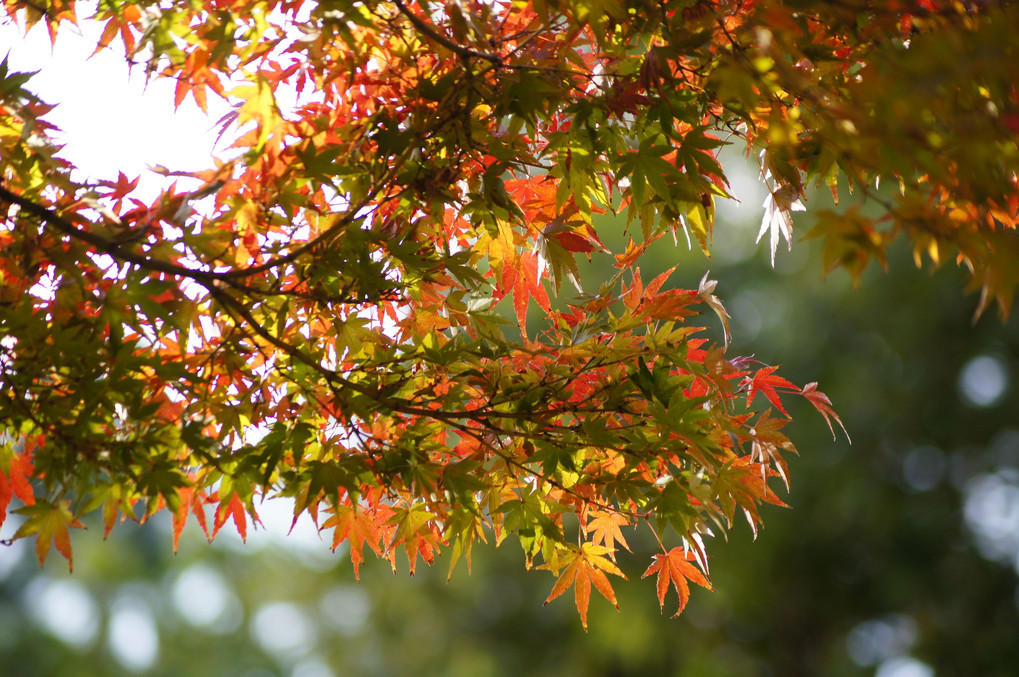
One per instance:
[(376, 300)]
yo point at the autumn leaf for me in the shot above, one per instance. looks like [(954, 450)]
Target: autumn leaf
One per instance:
[(463, 528), (603, 527), (823, 405), (49, 522), (765, 381), (16, 482), (236, 510), (528, 284), (673, 304), (357, 528), (706, 291), (674, 568), (191, 501), (416, 531), (777, 218), (585, 566)]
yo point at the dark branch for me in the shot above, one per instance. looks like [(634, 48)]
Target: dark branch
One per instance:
[(433, 35)]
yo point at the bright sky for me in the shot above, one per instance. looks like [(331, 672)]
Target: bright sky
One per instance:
[(111, 121)]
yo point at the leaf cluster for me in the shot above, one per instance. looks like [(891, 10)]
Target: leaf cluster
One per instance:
[(361, 306)]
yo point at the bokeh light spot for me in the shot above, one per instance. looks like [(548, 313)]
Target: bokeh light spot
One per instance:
[(904, 666), (205, 599), (65, 609), (345, 609), (991, 510), (924, 468), (132, 634), (983, 381), (312, 667), (283, 629), (874, 641)]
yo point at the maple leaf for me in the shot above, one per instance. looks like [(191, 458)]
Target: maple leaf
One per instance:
[(191, 501), (116, 503), (604, 530), (767, 442), (558, 261), (572, 241), (49, 522), (236, 510), (357, 528), (823, 405), (586, 566), (777, 219), (574, 235), (631, 255), (763, 381), (463, 528), (669, 305), (652, 303), (16, 483), (527, 284), (415, 529), (674, 567), (706, 290)]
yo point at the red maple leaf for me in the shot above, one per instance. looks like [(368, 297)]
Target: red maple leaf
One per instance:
[(16, 483), (823, 405), (765, 383)]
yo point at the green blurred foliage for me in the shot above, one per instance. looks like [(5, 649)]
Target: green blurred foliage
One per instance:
[(898, 545)]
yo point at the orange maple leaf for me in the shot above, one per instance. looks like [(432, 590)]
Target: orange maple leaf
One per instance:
[(415, 528), (604, 529), (356, 527), (674, 567), (527, 284), (587, 565)]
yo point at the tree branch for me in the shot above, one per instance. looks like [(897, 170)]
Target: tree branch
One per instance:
[(433, 35), (106, 245)]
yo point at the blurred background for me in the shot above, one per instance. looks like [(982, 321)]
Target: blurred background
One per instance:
[(898, 557)]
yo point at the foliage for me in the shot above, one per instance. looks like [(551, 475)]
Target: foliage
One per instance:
[(323, 314)]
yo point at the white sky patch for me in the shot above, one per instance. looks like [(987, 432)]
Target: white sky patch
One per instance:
[(110, 120), (735, 219), (63, 608), (746, 186)]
